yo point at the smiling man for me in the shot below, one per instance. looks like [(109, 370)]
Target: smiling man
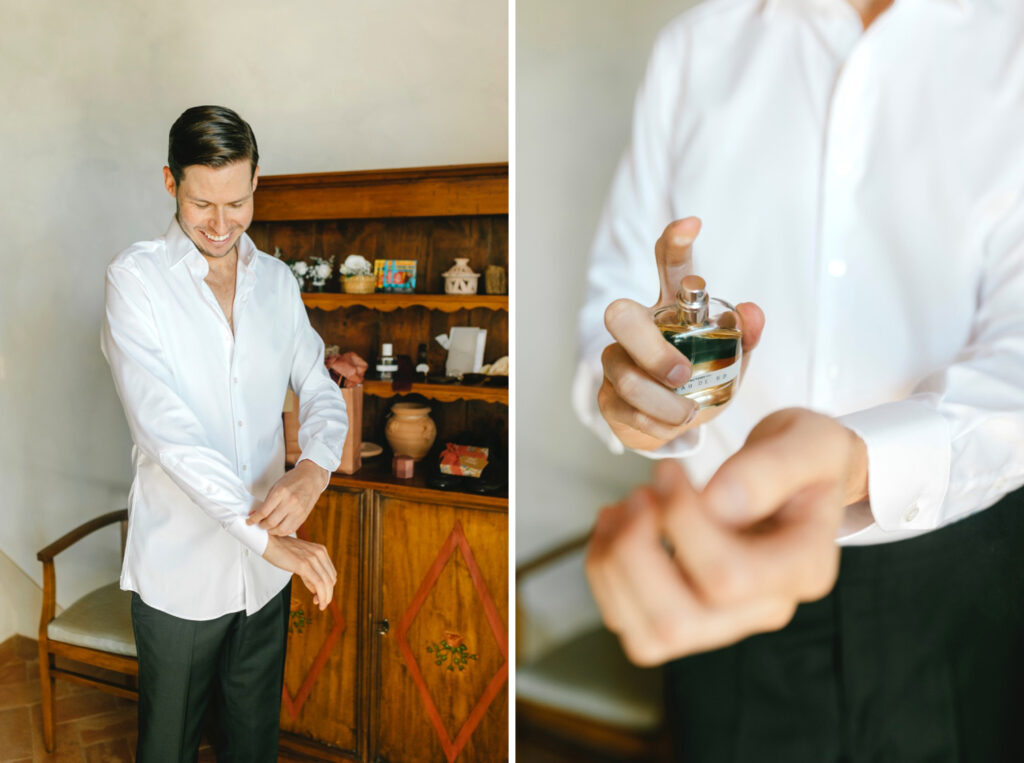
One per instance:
[(204, 334)]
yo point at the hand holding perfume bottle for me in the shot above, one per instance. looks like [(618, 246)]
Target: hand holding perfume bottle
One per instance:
[(642, 372)]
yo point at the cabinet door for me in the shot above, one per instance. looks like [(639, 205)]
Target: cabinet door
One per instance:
[(321, 683), (443, 656)]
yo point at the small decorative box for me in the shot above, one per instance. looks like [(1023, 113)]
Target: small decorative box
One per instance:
[(402, 466), (463, 460), (395, 275)]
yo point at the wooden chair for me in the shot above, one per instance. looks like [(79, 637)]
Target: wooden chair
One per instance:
[(583, 699), (96, 630)]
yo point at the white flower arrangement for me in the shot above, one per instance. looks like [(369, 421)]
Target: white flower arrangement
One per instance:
[(355, 265), (321, 270), (299, 268)]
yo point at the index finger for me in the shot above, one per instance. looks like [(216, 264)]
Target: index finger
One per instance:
[(631, 326), (264, 510), (673, 252)]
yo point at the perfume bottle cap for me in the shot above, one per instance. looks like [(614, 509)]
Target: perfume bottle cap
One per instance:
[(385, 349), (693, 291), (692, 300)]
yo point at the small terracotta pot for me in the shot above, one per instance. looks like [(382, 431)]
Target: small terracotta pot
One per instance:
[(410, 431)]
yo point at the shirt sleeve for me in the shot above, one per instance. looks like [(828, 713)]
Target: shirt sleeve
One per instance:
[(956, 445), (161, 424), (323, 418), (636, 212)]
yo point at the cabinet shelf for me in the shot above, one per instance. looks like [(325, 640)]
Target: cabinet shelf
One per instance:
[(387, 302), (376, 475), (444, 393)]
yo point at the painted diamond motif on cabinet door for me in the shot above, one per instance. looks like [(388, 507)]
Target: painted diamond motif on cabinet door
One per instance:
[(294, 704), (456, 541)]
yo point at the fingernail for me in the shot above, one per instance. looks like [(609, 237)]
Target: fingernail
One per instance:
[(679, 240), (728, 500), (679, 374), (694, 410)]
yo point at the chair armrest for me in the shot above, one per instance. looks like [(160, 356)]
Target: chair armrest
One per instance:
[(49, 573), (47, 554)]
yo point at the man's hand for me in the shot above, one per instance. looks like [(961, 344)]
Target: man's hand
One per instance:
[(642, 370), (676, 572), (310, 561), (290, 499), (349, 367)]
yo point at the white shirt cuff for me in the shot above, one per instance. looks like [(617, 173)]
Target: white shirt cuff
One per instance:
[(908, 447), (320, 455), (253, 537)]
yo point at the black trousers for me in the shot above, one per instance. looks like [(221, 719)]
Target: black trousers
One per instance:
[(916, 655), (236, 661)]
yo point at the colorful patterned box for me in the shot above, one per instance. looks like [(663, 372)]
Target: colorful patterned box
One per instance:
[(395, 275)]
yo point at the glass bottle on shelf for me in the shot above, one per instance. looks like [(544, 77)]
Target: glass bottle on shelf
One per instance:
[(387, 365), (709, 332), (422, 367)]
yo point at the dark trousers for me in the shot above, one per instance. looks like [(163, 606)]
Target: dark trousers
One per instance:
[(916, 655), (236, 661)]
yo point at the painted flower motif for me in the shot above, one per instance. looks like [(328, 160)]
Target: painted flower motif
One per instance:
[(453, 638)]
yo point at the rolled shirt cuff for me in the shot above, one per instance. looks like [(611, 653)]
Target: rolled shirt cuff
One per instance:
[(908, 446), (321, 455)]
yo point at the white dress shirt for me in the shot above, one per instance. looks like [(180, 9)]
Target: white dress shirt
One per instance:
[(204, 405), (866, 189)]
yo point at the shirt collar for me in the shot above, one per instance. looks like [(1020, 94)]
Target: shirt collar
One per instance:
[(180, 246), (770, 6)]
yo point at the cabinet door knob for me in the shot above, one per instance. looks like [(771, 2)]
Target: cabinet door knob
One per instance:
[(383, 626)]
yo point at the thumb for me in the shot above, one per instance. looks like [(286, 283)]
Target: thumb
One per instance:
[(674, 255)]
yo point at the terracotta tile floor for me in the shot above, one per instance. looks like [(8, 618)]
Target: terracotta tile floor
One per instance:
[(92, 726)]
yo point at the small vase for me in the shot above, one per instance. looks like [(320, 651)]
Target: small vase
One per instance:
[(460, 278), (410, 431)]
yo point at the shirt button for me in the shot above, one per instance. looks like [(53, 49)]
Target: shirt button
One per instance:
[(837, 268), (910, 514), (209, 488), (245, 552), (244, 467), (236, 380), (239, 422)]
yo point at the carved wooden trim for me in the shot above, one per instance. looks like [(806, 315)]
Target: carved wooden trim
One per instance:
[(445, 393), (450, 191), (388, 302)]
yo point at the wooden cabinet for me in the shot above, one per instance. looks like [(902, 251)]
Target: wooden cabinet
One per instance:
[(443, 654), (410, 662), (322, 687)]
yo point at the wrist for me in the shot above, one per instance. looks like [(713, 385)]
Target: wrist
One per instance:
[(320, 476), (857, 471)]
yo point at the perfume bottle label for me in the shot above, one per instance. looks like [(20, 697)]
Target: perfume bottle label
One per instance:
[(701, 381)]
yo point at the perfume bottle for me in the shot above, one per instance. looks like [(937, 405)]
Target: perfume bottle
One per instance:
[(387, 365), (709, 332)]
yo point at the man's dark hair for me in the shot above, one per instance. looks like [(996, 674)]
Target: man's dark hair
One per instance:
[(212, 136)]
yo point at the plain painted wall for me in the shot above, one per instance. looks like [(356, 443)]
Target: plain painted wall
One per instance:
[(578, 65), (89, 91)]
